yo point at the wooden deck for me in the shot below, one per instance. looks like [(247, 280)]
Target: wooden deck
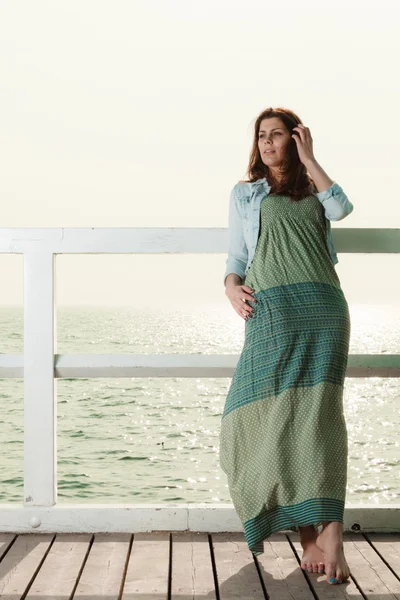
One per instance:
[(186, 565)]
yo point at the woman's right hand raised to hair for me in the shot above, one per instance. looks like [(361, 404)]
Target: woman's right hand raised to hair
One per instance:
[(236, 293)]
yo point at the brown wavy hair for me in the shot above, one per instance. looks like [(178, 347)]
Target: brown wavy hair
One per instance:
[(296, 182)]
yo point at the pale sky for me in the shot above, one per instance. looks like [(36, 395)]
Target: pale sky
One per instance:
[(118, 113)]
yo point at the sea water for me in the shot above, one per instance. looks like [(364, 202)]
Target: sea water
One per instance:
[(156, 440)]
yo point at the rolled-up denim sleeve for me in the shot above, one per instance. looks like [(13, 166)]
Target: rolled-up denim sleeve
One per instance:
[(335, 202), (237, 248)]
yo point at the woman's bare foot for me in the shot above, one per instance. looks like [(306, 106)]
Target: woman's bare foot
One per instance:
[(330, 541), (313, 557)]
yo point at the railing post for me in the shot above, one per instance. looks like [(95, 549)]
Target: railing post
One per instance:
[(40, 407)]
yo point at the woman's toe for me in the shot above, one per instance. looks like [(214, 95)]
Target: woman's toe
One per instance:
[(330, 572)]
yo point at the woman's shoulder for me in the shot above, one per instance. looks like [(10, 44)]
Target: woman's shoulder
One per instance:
[(242, 189), (245, 188), (243, 184)]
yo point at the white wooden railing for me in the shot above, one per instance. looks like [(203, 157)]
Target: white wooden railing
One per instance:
[(40, 366)]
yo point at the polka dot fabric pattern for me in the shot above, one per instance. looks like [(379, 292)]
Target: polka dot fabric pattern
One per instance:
[(283, 440)]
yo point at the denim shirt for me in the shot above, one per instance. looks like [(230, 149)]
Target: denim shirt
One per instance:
[(244, 221)]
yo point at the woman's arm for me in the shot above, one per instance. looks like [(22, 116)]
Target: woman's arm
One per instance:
[(237, 248), (332, 197)]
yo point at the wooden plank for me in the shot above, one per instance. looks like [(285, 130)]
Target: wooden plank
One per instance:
[(147, 573), (388, 545), (192, 574), (104, 569), (236, 570), (6, 539), (369, 571), (59, 572), (20, 564), (282, 575), (318, 581)]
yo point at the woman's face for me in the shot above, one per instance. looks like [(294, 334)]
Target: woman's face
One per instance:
[(273, 137)]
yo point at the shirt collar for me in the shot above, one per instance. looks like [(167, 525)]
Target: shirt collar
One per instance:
[(262, 182)]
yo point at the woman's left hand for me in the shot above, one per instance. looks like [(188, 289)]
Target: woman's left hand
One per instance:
[(304, 144)]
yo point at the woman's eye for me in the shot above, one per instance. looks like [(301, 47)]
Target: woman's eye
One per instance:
[(276, 133)]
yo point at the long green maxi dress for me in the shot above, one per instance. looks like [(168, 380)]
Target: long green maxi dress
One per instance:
[(283, 440)]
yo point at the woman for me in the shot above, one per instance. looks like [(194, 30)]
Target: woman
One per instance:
[(283, 441)]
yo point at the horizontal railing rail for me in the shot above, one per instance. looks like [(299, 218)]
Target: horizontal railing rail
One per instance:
[(40, 365), (175, 240), (177, 365)]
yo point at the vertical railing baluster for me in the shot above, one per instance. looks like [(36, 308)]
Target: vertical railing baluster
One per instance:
[(40, 407)]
